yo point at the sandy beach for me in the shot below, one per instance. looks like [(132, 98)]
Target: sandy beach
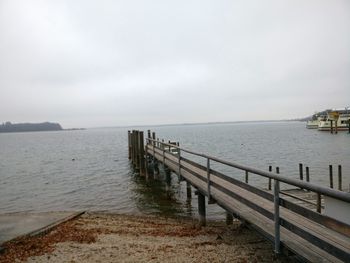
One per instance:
[(96, 237)]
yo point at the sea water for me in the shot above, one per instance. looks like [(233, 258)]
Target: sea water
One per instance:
[(89, 169)]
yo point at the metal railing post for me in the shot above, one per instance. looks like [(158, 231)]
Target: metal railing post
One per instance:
[(276, 190), (179, 161), (208, 179)]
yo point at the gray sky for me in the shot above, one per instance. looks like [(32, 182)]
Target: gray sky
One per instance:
[(109, 63)]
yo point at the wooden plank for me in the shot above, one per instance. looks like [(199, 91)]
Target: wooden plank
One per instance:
[(318, 230), (331, 241), (265, 226)]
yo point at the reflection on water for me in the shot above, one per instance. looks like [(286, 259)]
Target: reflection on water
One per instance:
[(156, 196)]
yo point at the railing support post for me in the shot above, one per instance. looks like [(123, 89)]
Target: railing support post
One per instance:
[(276, 190), (179, 162), (210, 200), (277, 216), (270, 180), (318, 208), (201, 209)]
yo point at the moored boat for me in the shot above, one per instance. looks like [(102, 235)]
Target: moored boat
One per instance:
[(315, 121), (337, 120)]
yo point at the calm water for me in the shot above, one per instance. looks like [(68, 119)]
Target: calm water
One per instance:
[(89, 169)]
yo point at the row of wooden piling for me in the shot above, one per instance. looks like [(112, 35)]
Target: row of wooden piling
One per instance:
[(307, 179), (331, 184), (137, 151)]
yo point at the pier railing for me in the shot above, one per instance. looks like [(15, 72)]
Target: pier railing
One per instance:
[(310, 234)]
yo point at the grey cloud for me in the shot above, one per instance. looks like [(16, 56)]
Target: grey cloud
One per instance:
[(89, 63)]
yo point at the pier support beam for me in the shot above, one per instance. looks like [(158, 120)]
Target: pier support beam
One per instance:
[(188, 190), (201, 209), (229, 218)]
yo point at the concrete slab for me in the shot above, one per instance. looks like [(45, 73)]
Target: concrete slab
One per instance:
[(14, 225)]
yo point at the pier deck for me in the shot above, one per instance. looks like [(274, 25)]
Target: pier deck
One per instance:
[(285, 222)]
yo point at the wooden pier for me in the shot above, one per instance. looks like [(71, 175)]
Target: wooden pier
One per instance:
[(292, 227)]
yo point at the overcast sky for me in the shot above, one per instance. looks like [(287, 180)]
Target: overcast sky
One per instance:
[(110, 63)]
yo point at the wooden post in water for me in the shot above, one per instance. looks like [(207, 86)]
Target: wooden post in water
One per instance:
[(270, 180), (340, 184), (307, 174), (201, 209), (133, 151), (246, 177), (301, 176), (330, 176), (331, 126), (147, 155), (137, 159), (129, 145), (336, 126), (154, 160), (141, 154)]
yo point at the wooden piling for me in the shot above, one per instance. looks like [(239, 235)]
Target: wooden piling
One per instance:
[(229, 218), (129, 145), (188, 190), (340, 184), (307, 174), (336, 126), (201, 209), (141, 153), (154, 138), (330, 176), (301, 176), (133, 146), (137, 157), (331, 126), (246, 177)]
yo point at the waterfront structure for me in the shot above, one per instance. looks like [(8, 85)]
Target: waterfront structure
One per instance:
[(311, 235)]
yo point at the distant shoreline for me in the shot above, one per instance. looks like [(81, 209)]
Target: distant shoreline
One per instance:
[(9, 127)]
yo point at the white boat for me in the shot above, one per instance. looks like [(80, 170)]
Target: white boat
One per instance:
[(336, 120), (315, 121)]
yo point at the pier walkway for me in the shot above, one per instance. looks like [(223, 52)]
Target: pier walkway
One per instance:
[(309, 234)]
